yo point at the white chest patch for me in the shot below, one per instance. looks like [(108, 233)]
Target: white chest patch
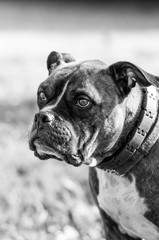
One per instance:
[(119, 198)]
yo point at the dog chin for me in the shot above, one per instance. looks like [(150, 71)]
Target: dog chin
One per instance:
[(44, 152)]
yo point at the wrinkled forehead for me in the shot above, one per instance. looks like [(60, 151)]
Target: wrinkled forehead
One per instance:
[(85, 75)]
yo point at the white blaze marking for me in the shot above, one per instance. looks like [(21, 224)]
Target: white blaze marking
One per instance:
[(119, 198), (90, 148), (93, 162), (50, 107)]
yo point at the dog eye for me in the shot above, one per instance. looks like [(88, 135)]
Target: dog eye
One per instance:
[(83, 102), (42, 97)]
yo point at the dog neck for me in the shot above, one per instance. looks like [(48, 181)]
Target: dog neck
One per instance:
[(129, 147)]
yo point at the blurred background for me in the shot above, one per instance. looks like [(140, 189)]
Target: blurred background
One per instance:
[(51, 200)]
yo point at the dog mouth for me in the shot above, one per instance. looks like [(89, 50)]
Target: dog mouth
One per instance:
[(43, 151)]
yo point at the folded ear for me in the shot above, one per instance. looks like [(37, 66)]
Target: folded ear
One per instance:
[(126, 75), (55, 59)]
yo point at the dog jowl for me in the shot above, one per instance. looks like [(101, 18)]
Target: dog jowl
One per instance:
[(107, 118)]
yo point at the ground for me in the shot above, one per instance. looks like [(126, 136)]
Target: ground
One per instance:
[(45, 200)]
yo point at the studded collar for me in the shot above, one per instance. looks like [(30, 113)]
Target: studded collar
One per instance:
[(133, 152)]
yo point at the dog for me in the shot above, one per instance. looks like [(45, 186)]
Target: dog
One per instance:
[(107, 118)]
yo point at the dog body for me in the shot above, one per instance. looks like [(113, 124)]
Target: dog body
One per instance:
[(106, 118)]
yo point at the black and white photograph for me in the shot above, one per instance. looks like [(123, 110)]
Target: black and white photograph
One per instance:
[(79, 120)]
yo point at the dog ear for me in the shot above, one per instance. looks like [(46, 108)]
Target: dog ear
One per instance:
[(55, 59), (126, 75)]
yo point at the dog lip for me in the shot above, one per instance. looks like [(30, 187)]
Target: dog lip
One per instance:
[(32, 138), (43, 155), (74, 159), (32, 146)]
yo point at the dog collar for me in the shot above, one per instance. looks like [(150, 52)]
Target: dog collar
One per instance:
[(132, 153)]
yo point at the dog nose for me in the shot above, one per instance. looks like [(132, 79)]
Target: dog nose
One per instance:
[(40, 119)]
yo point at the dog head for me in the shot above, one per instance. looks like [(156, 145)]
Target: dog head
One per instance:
[(83, 108)]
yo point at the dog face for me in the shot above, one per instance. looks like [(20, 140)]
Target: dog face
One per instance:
[(81, 110)]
